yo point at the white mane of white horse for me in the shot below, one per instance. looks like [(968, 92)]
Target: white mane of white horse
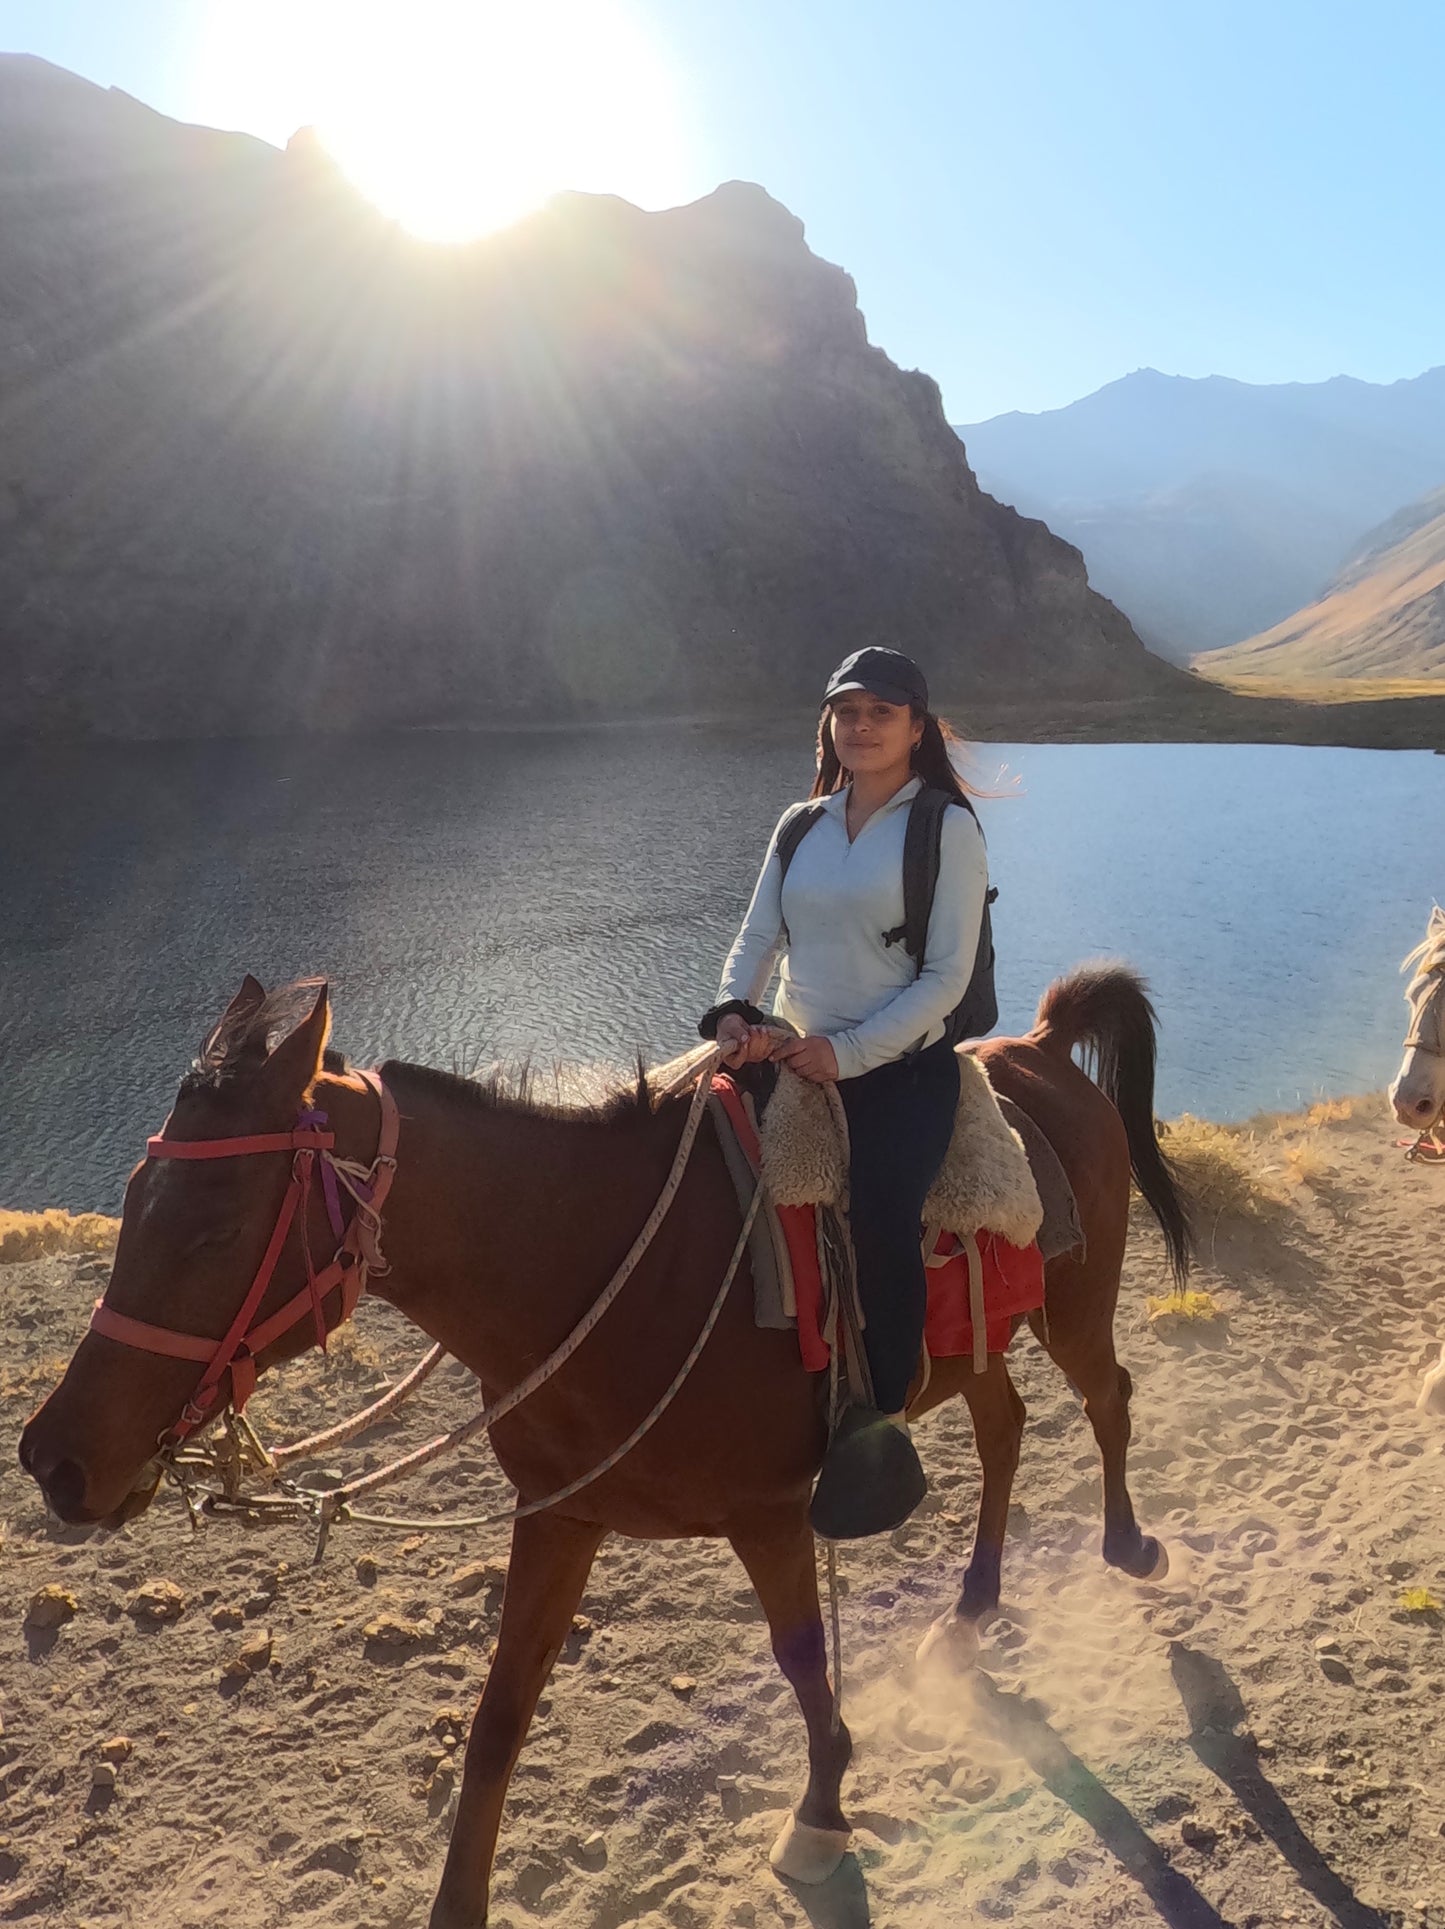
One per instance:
[(1428, 956), (1425, 993)]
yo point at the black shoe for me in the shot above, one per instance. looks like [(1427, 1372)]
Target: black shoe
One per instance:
[(871, 1478)]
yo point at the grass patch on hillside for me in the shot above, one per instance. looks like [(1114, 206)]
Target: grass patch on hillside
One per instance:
[(1305, 1164), (1186, 1303), (1301, 1140), (1323, 689), (1419, 1600), (1258, 1170), (1222, 1168), (36, 1235)]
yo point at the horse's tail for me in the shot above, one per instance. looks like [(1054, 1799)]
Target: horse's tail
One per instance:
[(1105, 1008)]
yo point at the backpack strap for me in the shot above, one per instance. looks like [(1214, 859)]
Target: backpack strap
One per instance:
[(796, 825), (922, 860), (977, 1012)]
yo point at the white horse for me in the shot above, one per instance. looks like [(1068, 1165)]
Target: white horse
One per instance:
[(1418, 1093)]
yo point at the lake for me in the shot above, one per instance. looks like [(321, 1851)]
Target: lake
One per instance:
[(573, 894)]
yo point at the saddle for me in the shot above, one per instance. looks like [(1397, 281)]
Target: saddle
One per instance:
[(1000, 1206)]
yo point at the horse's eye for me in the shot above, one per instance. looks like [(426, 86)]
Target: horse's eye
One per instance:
[(213, 1240)]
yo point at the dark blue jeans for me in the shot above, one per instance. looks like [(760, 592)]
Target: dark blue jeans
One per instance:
[(900, 1119)]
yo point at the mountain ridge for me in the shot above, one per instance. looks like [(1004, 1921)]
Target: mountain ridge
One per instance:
[(1210, 508), (269, 463)]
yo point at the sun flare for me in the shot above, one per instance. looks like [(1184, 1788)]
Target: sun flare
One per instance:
[(457, 117)]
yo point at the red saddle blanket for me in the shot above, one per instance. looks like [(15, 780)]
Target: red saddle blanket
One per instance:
[(1013, 1276)]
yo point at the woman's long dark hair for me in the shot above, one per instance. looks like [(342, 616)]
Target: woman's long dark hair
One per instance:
[(929, 758)]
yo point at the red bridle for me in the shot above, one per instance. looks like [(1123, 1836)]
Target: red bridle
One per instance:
[(357, 1256)]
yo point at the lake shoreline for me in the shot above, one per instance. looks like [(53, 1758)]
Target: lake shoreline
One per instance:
[(1220, 715), (474, 898)]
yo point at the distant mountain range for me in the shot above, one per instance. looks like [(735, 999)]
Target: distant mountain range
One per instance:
[(1211, 510), (1382, 616), (268, 463)]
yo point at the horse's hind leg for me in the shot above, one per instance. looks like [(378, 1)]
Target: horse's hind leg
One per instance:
[(1105, 1389), (550, 1562), (782, 1567), (998, 1426)]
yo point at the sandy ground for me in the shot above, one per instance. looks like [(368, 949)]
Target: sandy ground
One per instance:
[(1259, 1741)]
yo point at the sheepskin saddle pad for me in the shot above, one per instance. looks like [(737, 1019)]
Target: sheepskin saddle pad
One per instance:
[(985, 1183)]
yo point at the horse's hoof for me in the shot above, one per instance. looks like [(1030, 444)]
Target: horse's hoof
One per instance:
[(952, 1640), (805, 1854), (1143, 1560), (1159, 1569)]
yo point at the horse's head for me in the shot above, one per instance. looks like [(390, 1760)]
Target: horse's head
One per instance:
[(194, 1234), (1418, 1093)]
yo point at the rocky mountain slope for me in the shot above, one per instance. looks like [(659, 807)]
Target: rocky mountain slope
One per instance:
[(268, 463), (1210, 510), (1382, 616)]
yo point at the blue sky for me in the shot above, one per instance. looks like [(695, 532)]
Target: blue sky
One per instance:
[(1034, 197)]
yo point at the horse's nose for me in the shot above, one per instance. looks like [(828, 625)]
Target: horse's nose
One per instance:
[(1415, 1111), (61, 1481)]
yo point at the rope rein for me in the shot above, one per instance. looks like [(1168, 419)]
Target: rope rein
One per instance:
[(242, 1449)]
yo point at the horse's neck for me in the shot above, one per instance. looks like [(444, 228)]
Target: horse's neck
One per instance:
[(503, 1226)]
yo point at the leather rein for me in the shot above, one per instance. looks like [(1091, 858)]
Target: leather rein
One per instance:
[(357, 1258)]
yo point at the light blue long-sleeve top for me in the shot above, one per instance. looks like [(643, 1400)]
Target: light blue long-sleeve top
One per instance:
[(824, 926)]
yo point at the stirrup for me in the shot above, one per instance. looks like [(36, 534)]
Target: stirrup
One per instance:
[(871, 1479)]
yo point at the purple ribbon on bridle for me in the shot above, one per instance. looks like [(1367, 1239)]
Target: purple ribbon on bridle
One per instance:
[(314, 1120)]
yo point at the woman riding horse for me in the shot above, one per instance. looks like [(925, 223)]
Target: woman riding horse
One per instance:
[(869, 1016)]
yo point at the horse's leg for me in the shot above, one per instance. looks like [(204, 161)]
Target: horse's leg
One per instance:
[(1089, 1362), (782, 1567), (548, 1569), (998, 1426)]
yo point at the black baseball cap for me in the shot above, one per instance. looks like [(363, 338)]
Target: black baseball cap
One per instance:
[(882, 673)]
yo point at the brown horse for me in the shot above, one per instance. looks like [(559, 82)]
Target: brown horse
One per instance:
[(505, 1217)]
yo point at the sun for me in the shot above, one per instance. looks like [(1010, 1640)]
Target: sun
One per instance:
[(456, 117)]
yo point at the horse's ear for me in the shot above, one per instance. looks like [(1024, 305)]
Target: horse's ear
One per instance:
[(297, 1059), (247, 1001), (1437, 919)]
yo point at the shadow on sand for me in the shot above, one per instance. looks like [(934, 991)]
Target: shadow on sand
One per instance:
[(839, 1903), (1025, 1728), (1215, 1708)]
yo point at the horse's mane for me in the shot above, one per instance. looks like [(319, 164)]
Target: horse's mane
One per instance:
[(1428, 956), (589, 1095), (241, 1041)]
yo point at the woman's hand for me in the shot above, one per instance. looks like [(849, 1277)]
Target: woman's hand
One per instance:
[(733, 1033), (811, 1058), (744, 1044)]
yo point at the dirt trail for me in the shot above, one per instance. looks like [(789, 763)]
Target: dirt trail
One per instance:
[(1259, 1741)]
